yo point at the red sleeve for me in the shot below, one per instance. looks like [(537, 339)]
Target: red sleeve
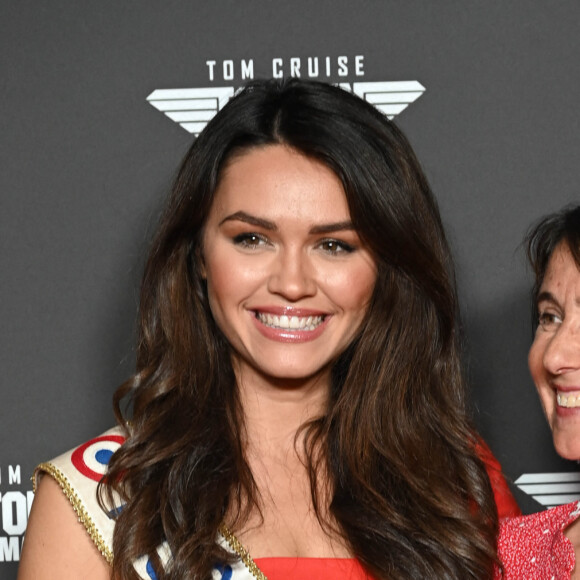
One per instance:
[(505, 501)]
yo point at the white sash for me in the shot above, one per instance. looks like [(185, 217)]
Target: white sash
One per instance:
[(78, 472)]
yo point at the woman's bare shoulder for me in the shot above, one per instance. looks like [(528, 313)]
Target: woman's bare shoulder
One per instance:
[(56, 544)]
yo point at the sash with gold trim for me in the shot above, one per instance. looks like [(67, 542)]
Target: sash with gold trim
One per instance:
[(79, 471)]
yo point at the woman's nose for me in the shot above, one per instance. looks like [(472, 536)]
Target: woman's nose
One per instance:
[(292, 275), (562, 353)]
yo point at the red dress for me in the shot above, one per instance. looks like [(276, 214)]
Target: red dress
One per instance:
[(534, 547), (504, 500), (312, 568)]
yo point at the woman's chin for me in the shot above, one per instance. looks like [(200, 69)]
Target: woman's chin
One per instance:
[(567, 446)]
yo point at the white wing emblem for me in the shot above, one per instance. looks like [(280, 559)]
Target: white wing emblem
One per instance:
[(551, 489), (389, 97), (193, 108)]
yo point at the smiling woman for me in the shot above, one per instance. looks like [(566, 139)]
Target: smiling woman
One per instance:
[(554, 357), (298, 393), (547, 544)]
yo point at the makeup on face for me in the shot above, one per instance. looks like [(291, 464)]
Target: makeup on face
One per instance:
[(289, 280)]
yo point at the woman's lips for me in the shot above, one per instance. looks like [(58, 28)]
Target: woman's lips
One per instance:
[(290, 325), (290, 322)]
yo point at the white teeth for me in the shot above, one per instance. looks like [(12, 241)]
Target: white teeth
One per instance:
[(569, 401), (290, 322)]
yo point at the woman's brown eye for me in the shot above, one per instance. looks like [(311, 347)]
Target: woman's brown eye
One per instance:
[(249, 240), (548, 320), (336, 247)]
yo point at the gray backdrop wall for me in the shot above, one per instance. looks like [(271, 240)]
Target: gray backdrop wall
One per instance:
[(86, 160)]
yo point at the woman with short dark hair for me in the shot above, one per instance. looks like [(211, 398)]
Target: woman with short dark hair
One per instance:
[(547, 544)]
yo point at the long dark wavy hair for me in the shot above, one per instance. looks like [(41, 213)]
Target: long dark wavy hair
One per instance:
[(408, 493)]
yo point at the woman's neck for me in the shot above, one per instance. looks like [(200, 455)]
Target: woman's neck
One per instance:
[(275, 409), (286, 523)]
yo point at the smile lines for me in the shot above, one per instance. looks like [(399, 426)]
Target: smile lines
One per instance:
[(290, 322)]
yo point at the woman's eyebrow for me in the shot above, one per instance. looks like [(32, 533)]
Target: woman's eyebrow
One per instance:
[(242, 216), (545, 296), (335, 227), (253, 220)]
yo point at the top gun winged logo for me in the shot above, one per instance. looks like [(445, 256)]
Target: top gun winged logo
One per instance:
[(194, 108), (551, 489)]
